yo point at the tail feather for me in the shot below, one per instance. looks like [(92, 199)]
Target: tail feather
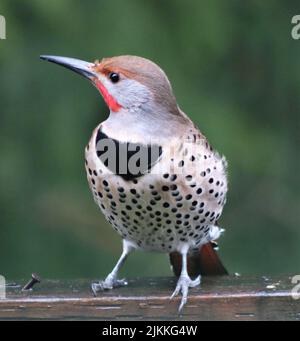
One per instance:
[(204, 262)]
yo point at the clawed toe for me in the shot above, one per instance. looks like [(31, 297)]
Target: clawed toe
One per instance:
[(107, 284), (119, 283), (194, 283), (183, 285), (95, 288)]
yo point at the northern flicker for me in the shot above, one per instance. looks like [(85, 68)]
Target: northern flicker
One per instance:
[(152, 172)]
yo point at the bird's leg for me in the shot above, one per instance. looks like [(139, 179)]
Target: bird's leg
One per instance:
[(111, 280), (184, 282)]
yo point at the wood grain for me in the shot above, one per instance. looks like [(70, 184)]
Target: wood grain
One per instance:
[(218, 298)]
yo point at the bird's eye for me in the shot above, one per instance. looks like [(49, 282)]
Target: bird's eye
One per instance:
[(114, 77)]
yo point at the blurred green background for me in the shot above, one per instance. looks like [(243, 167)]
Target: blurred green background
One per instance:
[(235, 70)]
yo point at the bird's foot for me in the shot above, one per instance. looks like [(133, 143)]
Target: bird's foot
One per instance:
[(183, 285), (107, 284)]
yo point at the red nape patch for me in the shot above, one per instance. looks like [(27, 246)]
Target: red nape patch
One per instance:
[(110, 101)]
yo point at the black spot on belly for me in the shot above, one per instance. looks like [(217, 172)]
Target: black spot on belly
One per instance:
[(199, 190), (110, 152)]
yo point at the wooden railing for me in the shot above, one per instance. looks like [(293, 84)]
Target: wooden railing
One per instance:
[(218, 298)]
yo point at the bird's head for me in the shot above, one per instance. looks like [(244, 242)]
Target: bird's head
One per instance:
[(126, 82)]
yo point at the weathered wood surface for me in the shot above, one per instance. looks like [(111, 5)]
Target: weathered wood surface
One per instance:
[(218, 298)]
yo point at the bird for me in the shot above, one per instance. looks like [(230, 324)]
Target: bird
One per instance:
[(152, 172)]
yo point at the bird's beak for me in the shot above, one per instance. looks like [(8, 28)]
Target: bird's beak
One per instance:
[(77, 65)]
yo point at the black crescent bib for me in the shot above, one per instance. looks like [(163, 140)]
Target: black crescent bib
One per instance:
[(128, 160)]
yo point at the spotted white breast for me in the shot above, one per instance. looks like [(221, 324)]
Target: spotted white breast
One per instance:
[(178, 201)]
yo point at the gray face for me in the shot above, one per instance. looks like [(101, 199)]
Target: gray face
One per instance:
[(129, 93)]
